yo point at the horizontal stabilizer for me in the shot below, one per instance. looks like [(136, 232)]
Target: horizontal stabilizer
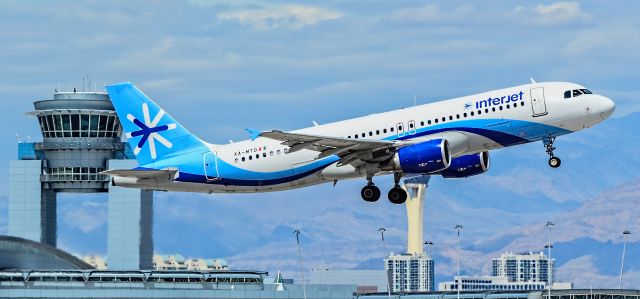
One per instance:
[(169, 174)]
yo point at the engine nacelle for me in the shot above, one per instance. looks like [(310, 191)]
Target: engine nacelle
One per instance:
[(425, 157), (466, 166)]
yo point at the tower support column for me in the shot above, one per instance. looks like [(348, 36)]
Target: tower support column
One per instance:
[(130, 225), (32, 209)]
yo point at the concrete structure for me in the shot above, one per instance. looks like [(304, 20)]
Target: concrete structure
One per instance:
[(416, 188), (81, 135), (366, 281), (523, 267)]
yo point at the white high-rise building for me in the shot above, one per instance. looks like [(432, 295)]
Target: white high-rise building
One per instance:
[(523, 267), (410, 272)]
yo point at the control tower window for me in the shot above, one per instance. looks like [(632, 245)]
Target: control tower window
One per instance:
[(84, 125), (58, 125), (109, 127), (66, 125), (75, 125), (102, 126), (93, 129)]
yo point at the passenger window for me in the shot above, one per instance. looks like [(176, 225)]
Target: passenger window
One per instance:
[(479, 112), (236, 160), (377, 132), (422, 124), (429, 122), (464, 115), (567, 94), (243, 159), (271, 153), (444, 119), (264, 155), (576, 92), (493, 109), (279, 150), (486, 110), (500, 108), (257, 156), (391, 129), (471, 113), (355, 136), (436, 120), (363, 134), (349, 136), (384, 131), (410, 125), (508, 106), (370, 133), (457, 116), (250, 157), (400, 128), (450, 117)]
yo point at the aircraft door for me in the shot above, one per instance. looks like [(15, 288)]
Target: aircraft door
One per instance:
[(537, 101), (400, 129), (412, 127), (210, 161)]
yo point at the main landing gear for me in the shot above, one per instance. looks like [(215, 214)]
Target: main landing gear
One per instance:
[(396, 195), (554, 161)]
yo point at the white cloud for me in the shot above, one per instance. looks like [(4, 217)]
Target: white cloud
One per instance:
[(557, 13), (286, 16), (431, 13)]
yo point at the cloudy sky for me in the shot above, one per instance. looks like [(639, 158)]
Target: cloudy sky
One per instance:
[(222, 66)]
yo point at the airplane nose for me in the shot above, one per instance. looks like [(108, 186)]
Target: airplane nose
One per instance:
[(607, 106)]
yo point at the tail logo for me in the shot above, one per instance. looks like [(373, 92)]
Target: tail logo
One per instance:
[(150, 131)]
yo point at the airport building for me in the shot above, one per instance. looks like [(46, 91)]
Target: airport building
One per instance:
[(523, 272), (523, 267), (413, 271), (81, 137)]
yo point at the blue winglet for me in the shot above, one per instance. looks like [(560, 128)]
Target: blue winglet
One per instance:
[(253, 133)]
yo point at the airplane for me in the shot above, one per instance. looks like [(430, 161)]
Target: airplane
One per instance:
[(451, 138)]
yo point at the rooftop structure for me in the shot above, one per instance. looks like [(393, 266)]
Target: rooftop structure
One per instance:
[(523, 267)]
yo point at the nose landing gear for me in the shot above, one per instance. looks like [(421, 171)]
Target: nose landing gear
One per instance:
[(554, 161)]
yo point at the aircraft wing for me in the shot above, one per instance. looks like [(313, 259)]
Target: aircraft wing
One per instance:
[(350, 151), (359, 151)]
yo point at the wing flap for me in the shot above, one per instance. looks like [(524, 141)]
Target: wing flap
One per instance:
[(142, 173)]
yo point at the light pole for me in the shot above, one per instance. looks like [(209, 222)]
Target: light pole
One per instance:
[(549, 225), (458, 227), (304, 289), (429, 244), (624, 249), (384, 247)]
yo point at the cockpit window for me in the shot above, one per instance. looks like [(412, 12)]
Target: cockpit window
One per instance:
[(576, 92), (586, 91), (567, 94)]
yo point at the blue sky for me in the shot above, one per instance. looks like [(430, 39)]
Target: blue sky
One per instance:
[(221, 66)]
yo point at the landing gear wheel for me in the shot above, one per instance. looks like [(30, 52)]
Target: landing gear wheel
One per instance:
[(554, 162), (370, 193), (397, 195)]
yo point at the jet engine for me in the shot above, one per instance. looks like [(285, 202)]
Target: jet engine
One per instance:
[(466, 166), (425, 157)]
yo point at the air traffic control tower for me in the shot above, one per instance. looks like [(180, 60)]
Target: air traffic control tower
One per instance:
[(81, 138)]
